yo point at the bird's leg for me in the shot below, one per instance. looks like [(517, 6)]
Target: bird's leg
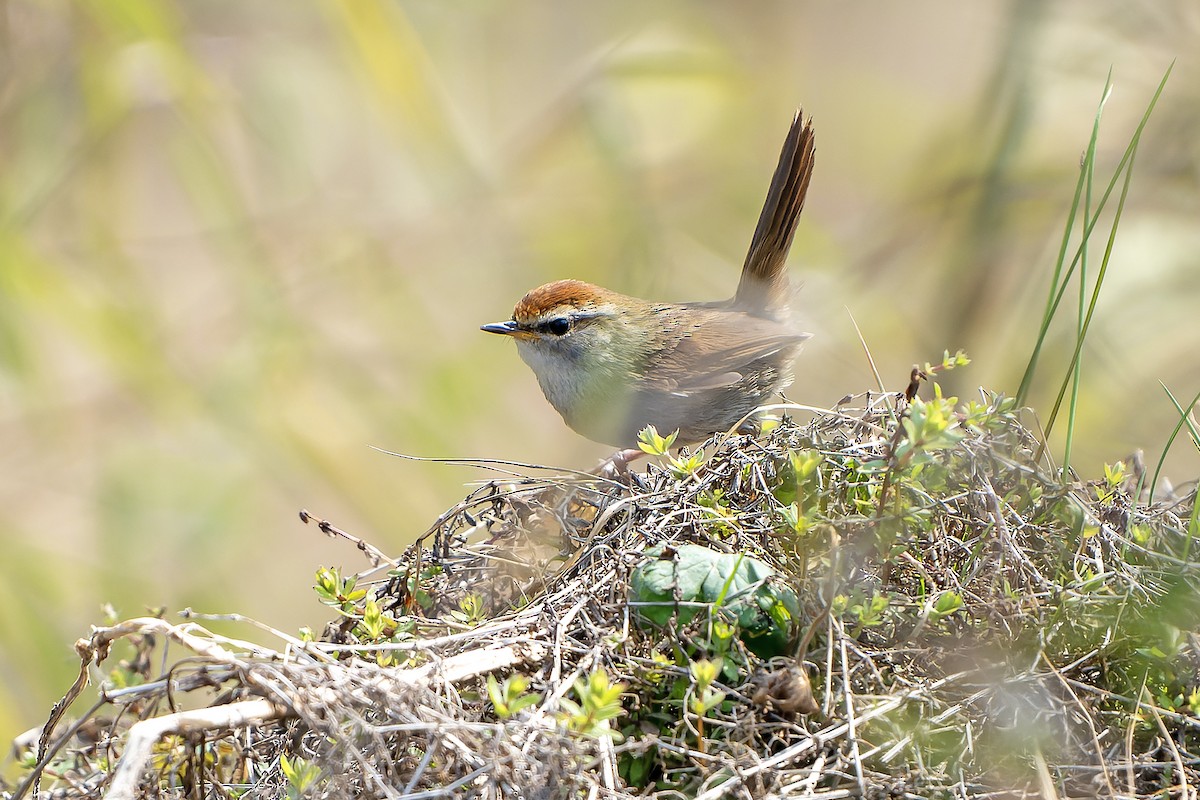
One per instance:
[(616, 466)]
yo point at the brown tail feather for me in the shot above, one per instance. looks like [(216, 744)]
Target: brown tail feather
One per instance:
[(764, 283)]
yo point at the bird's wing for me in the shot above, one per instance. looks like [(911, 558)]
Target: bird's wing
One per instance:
[(723, 355)]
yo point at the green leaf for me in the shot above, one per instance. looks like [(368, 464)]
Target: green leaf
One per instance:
[(737, 586), (650, 442)]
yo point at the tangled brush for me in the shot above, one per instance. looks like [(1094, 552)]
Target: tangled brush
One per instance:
[(892, 599)]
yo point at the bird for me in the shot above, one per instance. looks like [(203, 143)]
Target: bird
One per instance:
[(611, 364)]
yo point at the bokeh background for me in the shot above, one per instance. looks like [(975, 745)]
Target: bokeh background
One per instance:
[(242, 242)]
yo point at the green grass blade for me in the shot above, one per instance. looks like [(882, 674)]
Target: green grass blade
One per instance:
[(1193, 525), (1059, 291), (1194, 518), (1048, 314), (1087, 320), (1125, 166), (1089, 170), (1183, 420)]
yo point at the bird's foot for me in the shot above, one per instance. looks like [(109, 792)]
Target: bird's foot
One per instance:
[(616, 466)]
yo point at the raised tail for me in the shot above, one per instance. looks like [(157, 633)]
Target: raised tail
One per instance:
[(763, 288)]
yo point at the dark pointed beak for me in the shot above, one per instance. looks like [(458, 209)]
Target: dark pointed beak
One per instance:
[(507, 328)]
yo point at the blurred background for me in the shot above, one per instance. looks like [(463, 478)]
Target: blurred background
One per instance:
[(241, 243)]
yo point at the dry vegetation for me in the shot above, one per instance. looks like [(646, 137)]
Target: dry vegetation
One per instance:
[(956, 620)]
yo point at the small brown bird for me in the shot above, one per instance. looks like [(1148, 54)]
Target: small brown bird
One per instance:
[(612, 364)]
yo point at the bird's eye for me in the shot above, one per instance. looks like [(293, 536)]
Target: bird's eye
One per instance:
[(559, 326)]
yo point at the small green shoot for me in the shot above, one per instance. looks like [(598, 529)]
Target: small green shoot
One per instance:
[(375, 625), (510, 697), (302, 776), (1114, 476), (799, 477), (599, 702), (866, 611), (703, 698), (336, 591), (794, 519), (651, 443), (686, 465), (946, 604), (948, 362), (929, 426), (470, 611)]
